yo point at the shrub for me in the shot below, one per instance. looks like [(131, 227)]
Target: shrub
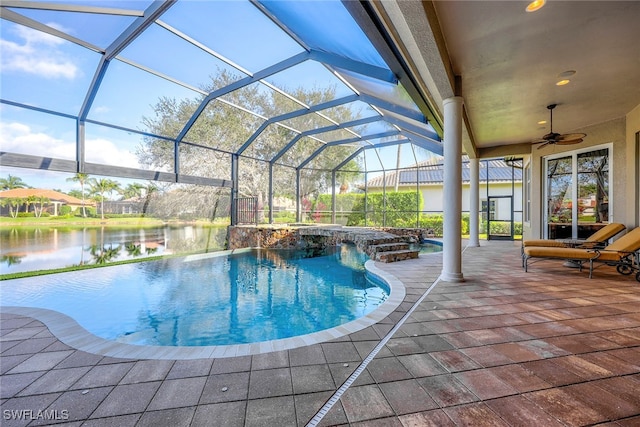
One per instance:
[(90, 211), (501, 228), (517, 228), (465, 223), (390, 209), (432, 222), (284, 217)]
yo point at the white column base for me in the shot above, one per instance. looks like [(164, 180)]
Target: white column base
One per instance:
[(451, 277)]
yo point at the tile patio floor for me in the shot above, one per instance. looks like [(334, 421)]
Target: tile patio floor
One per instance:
[(504, 348)]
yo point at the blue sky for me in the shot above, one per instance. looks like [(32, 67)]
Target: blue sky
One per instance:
[(51, 73)]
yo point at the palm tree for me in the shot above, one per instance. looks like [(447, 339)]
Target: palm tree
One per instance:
[(103, 254), (12, 202), (101, 186), (133, 249), (82, 178), (12, 182), (30, 200), (133, 190), (11, 259), (41, 200), (150, 189)]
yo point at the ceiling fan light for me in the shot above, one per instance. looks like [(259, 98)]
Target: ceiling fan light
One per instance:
[(535, 5), (563, 82)]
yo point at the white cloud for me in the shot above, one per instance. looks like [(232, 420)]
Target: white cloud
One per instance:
[(19, 138), (106, 152), (34, 37), (101, 109), (36, 53)]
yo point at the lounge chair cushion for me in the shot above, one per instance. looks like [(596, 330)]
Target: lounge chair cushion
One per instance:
[(543, 243), (626, 244), (600, 236), (561, 253), (630, 242), (606, 232)]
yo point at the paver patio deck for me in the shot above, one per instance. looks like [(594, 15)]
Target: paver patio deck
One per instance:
[(505, 348)]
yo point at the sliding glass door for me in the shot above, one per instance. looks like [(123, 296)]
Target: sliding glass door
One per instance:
[(577, 193), (559, 198)]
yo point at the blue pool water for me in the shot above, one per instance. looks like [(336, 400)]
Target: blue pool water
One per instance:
[(247, 297), (427, 246)]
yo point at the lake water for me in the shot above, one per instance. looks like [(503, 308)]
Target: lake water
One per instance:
[(29, 249)]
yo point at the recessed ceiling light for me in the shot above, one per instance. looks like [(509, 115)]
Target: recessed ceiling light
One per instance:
[(542, 122), (535, 5), (563, 82), (566, 74)]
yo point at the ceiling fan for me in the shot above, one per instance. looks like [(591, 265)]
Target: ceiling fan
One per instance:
[(556, 138)]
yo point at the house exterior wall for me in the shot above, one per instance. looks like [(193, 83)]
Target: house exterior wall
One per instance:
[(632, 173), (433, 197), (620, 134)]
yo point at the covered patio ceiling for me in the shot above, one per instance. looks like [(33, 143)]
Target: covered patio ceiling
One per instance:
[(109, 65), (505, 63)]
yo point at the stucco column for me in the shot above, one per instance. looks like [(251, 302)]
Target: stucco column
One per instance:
[(452, 189), (474, 201)]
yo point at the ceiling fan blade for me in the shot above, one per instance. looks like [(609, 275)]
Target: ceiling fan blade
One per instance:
[(556, 138), (545, 143), (570, 138), (569, 142)]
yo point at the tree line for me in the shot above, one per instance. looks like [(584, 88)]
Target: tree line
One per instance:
[(93, 189)]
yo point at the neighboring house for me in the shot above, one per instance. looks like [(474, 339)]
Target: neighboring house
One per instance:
[(131, 206), (503, 186), (54, 199)]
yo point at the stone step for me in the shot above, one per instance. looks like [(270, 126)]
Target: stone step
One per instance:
[(382, 240), (387, 247), (393, 256)]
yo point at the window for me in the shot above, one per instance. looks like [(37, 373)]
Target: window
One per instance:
[(491, 211), (577, 193), (593, 187)]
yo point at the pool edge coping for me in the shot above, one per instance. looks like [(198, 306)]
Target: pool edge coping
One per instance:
[(69, 331)]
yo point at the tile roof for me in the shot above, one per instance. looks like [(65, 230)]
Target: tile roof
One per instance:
[(52, 195), (432, 172)]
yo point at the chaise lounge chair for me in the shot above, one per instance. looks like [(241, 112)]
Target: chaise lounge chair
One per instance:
[(600, 237), (624, 253), (596, 240)]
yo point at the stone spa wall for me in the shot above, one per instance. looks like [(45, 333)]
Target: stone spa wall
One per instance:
[(311, 237), (271, 236)]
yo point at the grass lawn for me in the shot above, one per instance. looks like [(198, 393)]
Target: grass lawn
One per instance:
[(52, 220), (97, 222)]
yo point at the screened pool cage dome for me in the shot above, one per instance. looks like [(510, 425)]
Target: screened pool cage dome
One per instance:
[(210, 101)]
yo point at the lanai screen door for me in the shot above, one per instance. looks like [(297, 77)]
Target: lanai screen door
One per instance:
[(500, 221)]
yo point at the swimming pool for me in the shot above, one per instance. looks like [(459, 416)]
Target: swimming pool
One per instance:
[(427, 246), (246, 297)]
